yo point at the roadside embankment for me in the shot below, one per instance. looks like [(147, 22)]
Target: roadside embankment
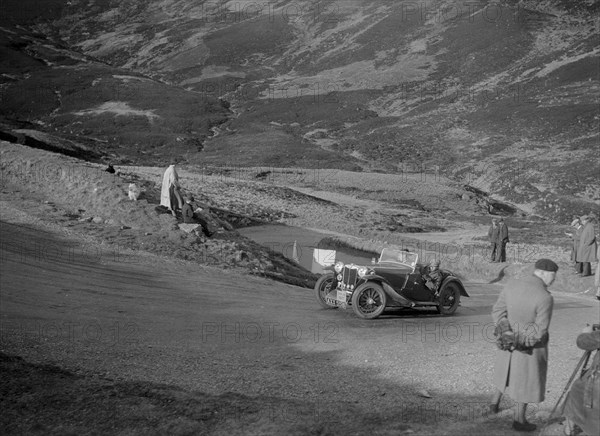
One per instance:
[(96, 204), (78, 186)]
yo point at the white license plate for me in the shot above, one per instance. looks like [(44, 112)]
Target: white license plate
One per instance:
[(341, 296)]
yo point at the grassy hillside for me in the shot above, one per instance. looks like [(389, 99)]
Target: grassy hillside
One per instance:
[(500, 95)]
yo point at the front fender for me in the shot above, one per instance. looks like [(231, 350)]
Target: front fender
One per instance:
[(451, 279), (372, 278), (387, 288)]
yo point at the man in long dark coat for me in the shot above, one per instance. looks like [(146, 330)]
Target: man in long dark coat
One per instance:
[(597, 277), (493, 238), (586, 251), (526, 305), (575, 235), (502, 241)]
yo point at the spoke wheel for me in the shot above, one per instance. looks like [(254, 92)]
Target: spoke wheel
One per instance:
[(322, 288), (449, 299), (368, 300)]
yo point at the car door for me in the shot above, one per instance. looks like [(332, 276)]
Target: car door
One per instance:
[(415, 288)]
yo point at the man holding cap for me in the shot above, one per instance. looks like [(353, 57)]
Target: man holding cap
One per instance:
[(525, 305)]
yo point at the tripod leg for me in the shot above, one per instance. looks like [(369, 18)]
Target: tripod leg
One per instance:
[(581, 364)]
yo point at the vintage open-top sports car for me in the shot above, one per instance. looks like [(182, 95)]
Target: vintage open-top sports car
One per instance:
[(395, 280)]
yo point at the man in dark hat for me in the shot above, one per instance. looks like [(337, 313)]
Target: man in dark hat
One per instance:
[(524, 307)]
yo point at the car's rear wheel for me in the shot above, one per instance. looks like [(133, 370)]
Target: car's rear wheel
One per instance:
[(368, 300), (449, 299), (322, 288)]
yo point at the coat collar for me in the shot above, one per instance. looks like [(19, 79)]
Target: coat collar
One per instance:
[(541, 282)]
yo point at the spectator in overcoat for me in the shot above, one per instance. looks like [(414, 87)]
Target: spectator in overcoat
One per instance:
[(502, 241), (597, 278), (493, 238), (170, 195), (586, 251), (575, 235), (520, 372)]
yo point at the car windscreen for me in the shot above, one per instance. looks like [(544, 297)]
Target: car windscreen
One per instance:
[(398, 256)]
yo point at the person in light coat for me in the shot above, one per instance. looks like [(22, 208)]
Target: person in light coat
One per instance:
[(586, 251), (520, 372), (170, 196)]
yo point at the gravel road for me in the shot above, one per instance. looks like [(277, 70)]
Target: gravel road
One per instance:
[(152, 319)]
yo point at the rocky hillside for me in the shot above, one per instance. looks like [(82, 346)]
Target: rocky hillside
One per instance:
[(501, 95)]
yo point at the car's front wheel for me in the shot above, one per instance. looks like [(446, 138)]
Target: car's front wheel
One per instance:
[(368, 300), (449, 299), (322, 288)]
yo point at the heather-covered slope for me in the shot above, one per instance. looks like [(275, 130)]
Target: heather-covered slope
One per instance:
[(501, 95)]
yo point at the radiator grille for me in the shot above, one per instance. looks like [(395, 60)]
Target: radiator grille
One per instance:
[(349, 277)]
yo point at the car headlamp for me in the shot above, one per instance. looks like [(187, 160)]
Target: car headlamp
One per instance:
[(339, 266), (339, 277), (362, 271)]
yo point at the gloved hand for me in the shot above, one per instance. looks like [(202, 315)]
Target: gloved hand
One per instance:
[(505, 337)]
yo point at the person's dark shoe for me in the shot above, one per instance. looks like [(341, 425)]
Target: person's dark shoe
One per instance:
[(494, 408), (526, 426)]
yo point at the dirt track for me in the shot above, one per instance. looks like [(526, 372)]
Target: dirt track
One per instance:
[(213, 332)]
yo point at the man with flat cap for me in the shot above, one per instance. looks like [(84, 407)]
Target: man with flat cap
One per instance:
[(524, 308)]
